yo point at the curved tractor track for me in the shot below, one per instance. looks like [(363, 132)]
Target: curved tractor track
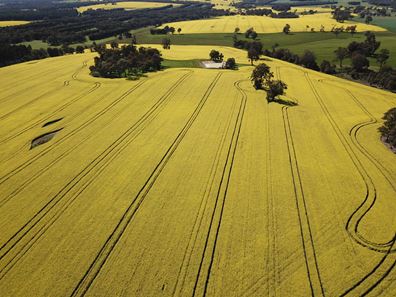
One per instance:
[(388, 262)]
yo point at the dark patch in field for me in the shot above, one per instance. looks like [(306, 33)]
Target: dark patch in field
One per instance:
[(52, 122), (44, 138)]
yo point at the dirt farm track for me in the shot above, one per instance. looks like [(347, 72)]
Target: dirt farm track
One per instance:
[(187, 183)]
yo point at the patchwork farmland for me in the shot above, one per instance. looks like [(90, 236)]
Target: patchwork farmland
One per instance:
[(188, 183)]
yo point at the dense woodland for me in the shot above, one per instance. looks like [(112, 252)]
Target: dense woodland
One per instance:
[(61, 27), (61, 24), (127, 61)]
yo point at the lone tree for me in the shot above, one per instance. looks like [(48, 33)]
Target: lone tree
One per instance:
[(308, 60), (216, 56), (166, 43), (79, 49), (230, 63), (286, 29), (179, 30), (274, 46), (341, 53), (261, 75), (237, 30), (327, 67), (253, 55), (382, 57), (133, 39), (250, 33), (368, 19), (114, 44), (359, 62), (275, 88)]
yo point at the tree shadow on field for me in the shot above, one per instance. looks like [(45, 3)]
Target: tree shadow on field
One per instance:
[(284, 102)]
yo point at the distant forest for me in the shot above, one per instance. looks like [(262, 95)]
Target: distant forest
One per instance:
[(60, 22)]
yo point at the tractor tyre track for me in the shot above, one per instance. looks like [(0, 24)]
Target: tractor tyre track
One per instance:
[(221, 192), (92, 119), (199, 217), (106, 250), (188, 253), (96, 86), (311, 262), (99, 164), (371, 191)]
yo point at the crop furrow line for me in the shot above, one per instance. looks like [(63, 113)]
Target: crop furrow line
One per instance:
[(308, 245), (188, 252), (106, 250), (100, 162), (46, 150), (221, 192), (59, 109), (351, 220), (371, 191)]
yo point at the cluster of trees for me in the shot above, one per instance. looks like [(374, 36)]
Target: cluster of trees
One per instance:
[(270, 13), (254, 48), (260, 12), (164, 30), (341, 14), (262, 78), (12, 54), (360, 51), (218, 57), (127, 61), (337, 30), (388, 130), (250, 33), (285, 15)]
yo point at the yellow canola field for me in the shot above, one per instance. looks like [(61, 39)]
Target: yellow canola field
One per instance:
[(264, 24), (126, 5), (13, 23), (188, 183), (188, 52)]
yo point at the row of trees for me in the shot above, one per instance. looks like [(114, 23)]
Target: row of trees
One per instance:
[(127, 61), (164, 30), (12, 54), (357, 52)]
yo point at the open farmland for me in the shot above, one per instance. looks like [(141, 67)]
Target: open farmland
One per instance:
[(13, 23), (125, 5), (187, 183), (264, 24)]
